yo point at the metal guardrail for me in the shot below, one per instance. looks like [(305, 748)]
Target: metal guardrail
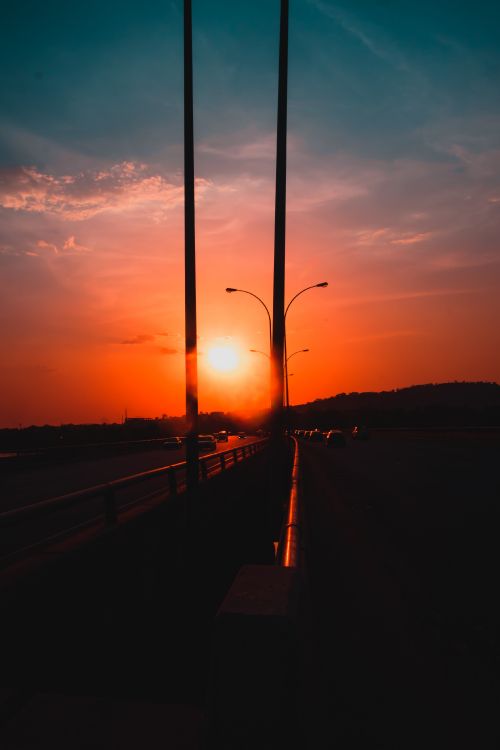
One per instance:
[(289, 551), (209, 465), (70, 449)]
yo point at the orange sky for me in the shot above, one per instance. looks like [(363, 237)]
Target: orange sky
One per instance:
[(393, 198), (97, 324)]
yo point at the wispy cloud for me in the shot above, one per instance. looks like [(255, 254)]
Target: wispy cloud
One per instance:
[(143, 338), (69, 246), (411, 239), (126, 186), (258, 147), (372, 38)]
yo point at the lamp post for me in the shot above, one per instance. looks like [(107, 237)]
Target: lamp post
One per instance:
[(299, 351), (190, 265), (231, 289), (289, 374), (321, 285)]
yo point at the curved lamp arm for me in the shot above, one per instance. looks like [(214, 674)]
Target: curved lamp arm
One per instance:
[(299, 351), (321, 285), (245, 291)]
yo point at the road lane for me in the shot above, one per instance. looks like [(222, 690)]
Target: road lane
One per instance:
[(402, 564), (43, 482), (21, 535)]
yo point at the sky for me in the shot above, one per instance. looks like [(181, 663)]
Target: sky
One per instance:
[(393, 198)]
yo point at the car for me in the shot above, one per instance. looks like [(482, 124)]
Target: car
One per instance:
[(222, 436), (360, 433), (172, 443), (207, 443), (242, 434), (335, 439), (316, 436)]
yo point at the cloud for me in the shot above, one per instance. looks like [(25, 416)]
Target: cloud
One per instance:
[(393, 236), (411, 239), (70, 246), (371, 37), (143, 338), (259, 147), (167, 350), (124, 187), (43, 245), (73, 246)]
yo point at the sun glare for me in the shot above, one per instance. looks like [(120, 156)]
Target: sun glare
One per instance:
[(223, 358)]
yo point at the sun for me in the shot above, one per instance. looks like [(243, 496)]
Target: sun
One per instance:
[(223, 358)]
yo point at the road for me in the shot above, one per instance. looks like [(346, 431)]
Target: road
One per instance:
[(42, 482), (403, 561), (21, 488)]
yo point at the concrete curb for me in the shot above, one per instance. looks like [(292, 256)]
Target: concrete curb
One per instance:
[(253, 686)]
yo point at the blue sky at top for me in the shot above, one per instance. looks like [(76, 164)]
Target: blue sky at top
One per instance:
[(105, 79)]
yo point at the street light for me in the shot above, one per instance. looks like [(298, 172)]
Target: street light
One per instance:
[(287, 374), (258, 351), (299, 351), (231, 289), (321, 285)]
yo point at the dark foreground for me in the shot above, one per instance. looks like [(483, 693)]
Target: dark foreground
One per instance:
[(400, 642), (404, 561)]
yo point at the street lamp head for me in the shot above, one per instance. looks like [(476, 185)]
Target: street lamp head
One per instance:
[(323, 284), (305, 350), (230, 289)]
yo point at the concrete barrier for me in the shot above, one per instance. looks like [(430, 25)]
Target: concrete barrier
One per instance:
[(253, 684)]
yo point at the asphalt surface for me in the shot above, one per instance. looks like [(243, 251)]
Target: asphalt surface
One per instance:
[(30, 486), (19, 488), (403, 561)]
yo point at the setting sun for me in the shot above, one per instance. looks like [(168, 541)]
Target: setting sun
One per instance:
[(223, 358)]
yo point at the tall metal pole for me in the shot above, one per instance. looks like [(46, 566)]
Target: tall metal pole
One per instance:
[(286, 387), (278, 450), (279, 238), (190, 261)]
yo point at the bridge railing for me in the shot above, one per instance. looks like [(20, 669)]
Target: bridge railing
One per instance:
[(175, 474), (257, 646), (288, 554)]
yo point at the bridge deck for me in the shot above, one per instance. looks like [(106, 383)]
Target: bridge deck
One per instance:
[(403, 561), (401, 647)]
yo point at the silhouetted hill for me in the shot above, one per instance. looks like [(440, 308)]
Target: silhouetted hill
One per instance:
[(458, 404)]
